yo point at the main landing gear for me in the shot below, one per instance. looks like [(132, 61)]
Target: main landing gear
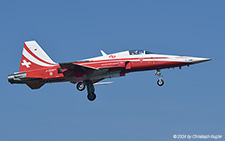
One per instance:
[(80, 86), (90, 89), (160, 82)]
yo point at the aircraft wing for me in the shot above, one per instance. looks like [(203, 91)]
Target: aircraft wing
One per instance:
[(74, 66), (79, 68), (96, 81), (71, 68)]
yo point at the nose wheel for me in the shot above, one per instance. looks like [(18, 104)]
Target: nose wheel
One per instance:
[(160, 82)]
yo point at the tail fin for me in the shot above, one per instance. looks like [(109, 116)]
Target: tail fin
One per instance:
[(34, 57)]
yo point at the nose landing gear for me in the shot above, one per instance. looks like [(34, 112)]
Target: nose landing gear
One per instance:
[(160, 82)]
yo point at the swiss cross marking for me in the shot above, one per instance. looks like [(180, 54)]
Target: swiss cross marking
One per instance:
[(25, 63)]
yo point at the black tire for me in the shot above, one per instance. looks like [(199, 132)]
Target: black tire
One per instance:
[(160, 82), (80, 86), (91, 96)]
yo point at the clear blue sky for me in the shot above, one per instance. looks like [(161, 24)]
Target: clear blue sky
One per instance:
[(134, 108)]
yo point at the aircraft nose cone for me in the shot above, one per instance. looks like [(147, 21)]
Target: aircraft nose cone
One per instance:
[(195, 60)]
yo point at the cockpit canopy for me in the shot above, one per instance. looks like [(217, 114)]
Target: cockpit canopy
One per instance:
[(139, 52)]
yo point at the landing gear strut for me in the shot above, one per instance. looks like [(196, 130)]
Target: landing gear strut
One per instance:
[(90, 89), (160, 82)]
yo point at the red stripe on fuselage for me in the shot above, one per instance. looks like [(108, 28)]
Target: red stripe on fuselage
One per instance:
[(157, 65), (102, 63), (151, 62), (122, 59)]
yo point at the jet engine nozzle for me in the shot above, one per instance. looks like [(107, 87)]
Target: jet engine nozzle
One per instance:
[(16, 77)]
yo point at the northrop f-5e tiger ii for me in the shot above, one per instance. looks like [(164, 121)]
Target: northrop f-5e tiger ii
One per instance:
[(37, 68)]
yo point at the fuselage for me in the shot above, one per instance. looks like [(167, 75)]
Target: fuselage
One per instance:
[(106, 66), (37, 68)]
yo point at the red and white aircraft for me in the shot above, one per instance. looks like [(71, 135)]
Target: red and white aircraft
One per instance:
[(37, 68)]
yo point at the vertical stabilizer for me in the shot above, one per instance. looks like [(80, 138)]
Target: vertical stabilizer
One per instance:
[(34, 57)]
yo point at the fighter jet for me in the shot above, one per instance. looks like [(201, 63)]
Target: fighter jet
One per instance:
[(37, 68)]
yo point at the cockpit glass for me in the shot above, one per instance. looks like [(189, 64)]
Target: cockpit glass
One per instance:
[(147, 52), (138, 52)]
